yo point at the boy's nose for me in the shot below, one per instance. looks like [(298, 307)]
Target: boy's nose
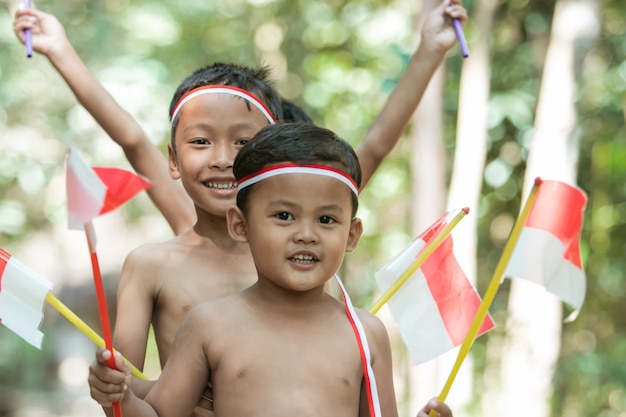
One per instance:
[(306, 233), (223, 156)]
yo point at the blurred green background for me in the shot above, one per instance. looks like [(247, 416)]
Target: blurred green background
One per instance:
[(339, 60)]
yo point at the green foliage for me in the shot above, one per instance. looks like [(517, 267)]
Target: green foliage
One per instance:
[(341, 60)]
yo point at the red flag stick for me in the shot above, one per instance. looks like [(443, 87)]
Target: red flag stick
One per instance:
[(103, 310)]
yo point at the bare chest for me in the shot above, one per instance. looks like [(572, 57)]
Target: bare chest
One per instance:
[(297, 367)]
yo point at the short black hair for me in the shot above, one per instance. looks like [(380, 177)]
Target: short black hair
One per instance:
[(300, 143), (254, 80), (294, 113)]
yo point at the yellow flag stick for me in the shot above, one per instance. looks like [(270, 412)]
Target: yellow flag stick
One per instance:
[(498, 274), (419, 260), (82, 326)]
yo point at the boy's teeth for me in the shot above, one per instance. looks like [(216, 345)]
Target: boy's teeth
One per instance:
[(221, 186), (308, 258)]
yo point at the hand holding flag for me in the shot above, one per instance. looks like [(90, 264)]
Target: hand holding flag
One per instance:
[(90, 193), (556, 210)]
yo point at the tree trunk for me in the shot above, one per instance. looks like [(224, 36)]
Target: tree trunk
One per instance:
[(532, 345)]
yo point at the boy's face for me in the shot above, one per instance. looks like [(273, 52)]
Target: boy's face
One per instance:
[(298, 227), (211, 129)]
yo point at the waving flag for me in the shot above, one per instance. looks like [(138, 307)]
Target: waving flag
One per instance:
[(547, 251), (90, 193), (22, 297), (95, 191), (435, 307)]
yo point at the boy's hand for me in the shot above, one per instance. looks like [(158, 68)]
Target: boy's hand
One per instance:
[(108, 385), (439, 407), (438, 31), (47, 31)]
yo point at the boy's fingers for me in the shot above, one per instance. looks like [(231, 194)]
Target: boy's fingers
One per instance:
[(121, 364), (107, 385)]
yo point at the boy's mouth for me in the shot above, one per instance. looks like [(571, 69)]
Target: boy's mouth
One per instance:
[(221, 185), (305, 259)]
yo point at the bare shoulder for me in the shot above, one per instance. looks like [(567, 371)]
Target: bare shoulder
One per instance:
[(217, 315), (374, 328), (155, 255)]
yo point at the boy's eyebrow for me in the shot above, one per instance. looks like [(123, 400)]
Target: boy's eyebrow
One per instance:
[(291, 204), (199, 123)]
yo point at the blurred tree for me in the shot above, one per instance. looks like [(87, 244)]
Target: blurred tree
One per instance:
[(339, 60)]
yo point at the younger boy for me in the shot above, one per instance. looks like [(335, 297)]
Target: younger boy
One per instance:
[(282, 347), (49, 39)]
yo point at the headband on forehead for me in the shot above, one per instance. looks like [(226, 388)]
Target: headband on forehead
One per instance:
[(280, 169), (224, 89)]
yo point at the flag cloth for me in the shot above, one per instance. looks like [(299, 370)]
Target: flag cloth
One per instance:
[(95, 191), (22, 297), (547, 251), (434, 309)]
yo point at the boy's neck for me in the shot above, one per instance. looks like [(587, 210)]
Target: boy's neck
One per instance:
[(269, 297), (215, 229)]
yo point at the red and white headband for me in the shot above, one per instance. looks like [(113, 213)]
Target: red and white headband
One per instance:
[(224, 89), (289, 168)]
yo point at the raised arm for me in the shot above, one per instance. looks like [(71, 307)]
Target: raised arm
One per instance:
[(438, 37), (49, 39)]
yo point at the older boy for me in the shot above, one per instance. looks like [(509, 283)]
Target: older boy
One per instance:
[(282, 347)]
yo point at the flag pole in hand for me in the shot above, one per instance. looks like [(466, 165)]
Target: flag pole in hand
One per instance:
[(92, 192), (483, 309)]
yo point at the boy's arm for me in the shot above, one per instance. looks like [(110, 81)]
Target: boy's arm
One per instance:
[(438, 37), (186, 371), (135, 304), (49, 39)]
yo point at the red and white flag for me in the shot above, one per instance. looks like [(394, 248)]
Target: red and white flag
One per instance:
[(22, 297), (547, 251), (435, 308), (95, 191)]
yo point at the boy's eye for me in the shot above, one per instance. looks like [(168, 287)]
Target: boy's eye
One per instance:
[(283, 215), (326, 220), (200, 141), (242, 141)]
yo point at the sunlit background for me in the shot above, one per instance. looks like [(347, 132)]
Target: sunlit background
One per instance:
[(542, 92)]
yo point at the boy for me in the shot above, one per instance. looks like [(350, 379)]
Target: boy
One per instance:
[(282, 347), (213, 115), (49, 39)]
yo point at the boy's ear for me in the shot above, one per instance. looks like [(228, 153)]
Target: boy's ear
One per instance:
[(172, 162), (237, 225), (356, 230)]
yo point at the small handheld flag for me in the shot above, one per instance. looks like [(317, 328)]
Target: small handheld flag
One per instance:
[(22, 297), (90, 193), (22, 293), (438, 296), (548, 249)]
